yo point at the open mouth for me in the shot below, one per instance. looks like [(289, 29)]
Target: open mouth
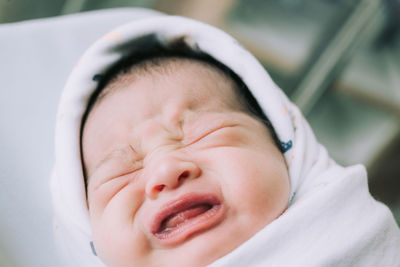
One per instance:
[(181, 218)]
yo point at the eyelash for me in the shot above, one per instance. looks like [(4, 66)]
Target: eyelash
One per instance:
[(202, 136), (210, 133), (121, 173)]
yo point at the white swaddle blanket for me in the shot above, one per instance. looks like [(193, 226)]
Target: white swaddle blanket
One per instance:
[(332, 220)]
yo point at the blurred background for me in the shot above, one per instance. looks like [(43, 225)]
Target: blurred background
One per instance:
[(338, 60)]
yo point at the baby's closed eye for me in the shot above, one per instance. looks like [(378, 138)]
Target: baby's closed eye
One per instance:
[(116, 168), (223, 136), (112, 181)]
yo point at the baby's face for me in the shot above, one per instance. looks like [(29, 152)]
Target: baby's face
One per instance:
[(177, 176)]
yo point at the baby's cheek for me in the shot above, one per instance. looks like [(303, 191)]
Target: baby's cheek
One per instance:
[(270, 192), (124, 204), (119, 246), (117, 231), (100, 196), (259, 179)]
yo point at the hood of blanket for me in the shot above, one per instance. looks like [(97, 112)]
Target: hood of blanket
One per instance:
[(305, 158)]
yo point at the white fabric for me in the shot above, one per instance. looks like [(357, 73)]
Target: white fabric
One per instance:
[(332, 219)]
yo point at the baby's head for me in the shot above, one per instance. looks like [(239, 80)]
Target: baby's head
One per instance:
[(180, 168)]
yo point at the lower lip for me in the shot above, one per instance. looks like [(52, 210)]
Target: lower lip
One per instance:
[(197, 224)]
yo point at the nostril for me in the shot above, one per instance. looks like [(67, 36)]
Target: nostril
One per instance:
[(159, 188), (184, 175)]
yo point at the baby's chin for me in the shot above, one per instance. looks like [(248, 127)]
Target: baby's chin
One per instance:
[(204, 248), (195, 255)]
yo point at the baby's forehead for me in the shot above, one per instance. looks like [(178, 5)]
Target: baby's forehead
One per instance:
[(178, 67)]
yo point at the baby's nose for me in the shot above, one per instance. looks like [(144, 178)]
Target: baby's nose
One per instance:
[(169, 173)]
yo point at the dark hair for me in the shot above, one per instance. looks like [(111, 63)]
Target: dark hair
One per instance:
[(148, 48)]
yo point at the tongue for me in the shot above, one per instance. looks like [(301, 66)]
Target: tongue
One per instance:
[(182, 216)]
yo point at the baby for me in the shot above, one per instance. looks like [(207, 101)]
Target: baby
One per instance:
[(170, 155), (180, 166)]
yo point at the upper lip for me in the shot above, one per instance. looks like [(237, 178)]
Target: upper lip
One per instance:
[(180, 204)]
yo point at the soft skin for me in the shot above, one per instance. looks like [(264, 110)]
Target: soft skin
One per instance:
[(167, 136)]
